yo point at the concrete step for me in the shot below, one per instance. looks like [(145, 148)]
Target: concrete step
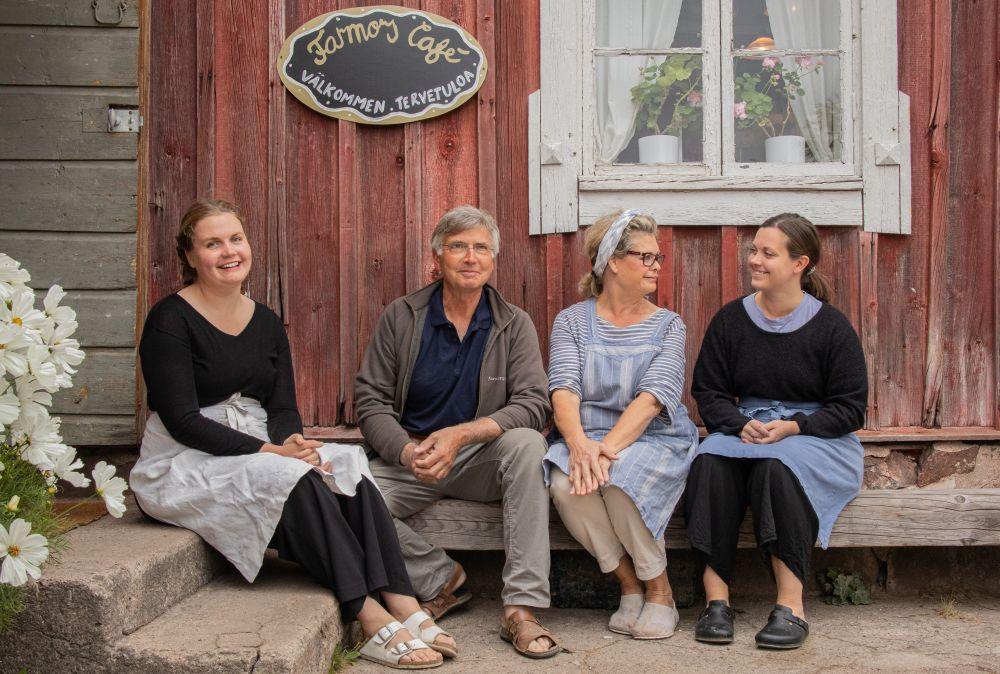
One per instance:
[(113, 577), (284, 622)]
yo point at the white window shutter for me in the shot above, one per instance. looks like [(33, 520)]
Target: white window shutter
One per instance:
[(885, 142), (557, 152)]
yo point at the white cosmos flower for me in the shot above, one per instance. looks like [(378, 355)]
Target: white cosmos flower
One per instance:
[(13, 345), (110, 487), (34, 399), (12, 277), (22, 553), (64, 351), (22, 312), (52, 309), (44, 446), (42, 368), (66, 468), (7, 291), (10, 406)]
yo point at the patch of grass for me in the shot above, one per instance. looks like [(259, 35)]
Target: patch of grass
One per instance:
[(20, 478), (948, 609), (841, 588), (344, 657), (10, 605)]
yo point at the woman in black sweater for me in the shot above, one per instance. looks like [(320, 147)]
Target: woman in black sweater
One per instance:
[(223, 454), (781, 386)]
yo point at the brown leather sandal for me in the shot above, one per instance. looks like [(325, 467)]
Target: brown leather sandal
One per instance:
[(449, 598), (521, 631)]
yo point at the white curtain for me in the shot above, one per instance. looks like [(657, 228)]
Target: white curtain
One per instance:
[(639, 24), (813, 24)]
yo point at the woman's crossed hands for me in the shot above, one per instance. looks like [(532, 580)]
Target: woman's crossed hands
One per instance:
[(297, 447), (589, 465)]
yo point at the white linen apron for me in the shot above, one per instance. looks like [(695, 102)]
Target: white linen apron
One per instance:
[(233, 502)]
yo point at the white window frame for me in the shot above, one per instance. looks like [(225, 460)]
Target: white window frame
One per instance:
[(568, 188), (711, 154)]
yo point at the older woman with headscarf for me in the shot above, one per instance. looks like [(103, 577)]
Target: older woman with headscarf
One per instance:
[(616, 375)]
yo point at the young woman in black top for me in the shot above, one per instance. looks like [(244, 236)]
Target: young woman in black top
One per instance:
[(223, 454), (781, 385)]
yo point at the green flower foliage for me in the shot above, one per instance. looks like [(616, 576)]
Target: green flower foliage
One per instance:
[(20, 478), (841, 588), (755, 94), (672, 80)]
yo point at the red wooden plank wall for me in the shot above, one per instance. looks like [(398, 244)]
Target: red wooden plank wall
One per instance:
[(340, 214)]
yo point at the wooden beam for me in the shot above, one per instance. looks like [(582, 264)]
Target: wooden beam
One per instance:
[(996, 252), (729, 261), (84, 261), (63, 123), (883, 435), (205, 105), (416, 245), (91, 430), (923, 434), (63, 13), (104, 384), (277, 213), (876, 518), (486, 120), (937, 294), (347, 188), (869, 320), (79, 196), (99, 56), (142, 219), (665, 284)]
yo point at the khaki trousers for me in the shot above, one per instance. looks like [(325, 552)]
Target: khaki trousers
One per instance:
[(507, 469), (608, 524)]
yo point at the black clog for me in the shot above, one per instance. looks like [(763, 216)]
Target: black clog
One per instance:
[(783, 630), (715, 626)]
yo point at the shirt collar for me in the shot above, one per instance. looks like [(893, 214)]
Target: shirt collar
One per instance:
[(482, 318)]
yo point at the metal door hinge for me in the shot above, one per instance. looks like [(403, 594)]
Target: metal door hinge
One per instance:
[(124, 120)]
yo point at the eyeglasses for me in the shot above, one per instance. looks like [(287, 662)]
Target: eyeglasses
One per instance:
[(648, 258), (461, 249)]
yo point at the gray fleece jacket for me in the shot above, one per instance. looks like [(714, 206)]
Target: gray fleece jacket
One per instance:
[(513, 388)]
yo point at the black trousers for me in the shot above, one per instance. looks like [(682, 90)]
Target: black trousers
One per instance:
[(720, 488), (347, 544)]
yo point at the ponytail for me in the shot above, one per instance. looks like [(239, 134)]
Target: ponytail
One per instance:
[(814, 283)]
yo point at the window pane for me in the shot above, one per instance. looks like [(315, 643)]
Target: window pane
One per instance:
[(648, 24), (786, 24), (795, 98), (642, 96)]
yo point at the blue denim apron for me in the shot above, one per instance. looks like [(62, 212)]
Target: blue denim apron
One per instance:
[(653, 469), (830, 470)]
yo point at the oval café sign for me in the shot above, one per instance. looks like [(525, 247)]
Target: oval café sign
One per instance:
[(382, 65)]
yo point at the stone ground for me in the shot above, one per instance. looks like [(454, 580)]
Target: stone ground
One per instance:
[(892, 634)]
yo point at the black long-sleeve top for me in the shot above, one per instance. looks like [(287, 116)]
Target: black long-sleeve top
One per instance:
[(188, 363), (820, 362)]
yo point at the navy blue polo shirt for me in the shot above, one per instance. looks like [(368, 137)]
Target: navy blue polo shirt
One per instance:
[(444, 386)]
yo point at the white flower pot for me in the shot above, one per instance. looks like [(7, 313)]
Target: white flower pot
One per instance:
[(661, 149), (785, 150)]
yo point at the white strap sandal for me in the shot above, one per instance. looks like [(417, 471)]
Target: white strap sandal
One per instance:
[(377, 649), (430, 634)]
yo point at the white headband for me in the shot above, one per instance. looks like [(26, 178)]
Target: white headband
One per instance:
[(610, 241)]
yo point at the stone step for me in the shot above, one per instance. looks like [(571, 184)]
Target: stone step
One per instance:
[(284, 622), (113, 577)]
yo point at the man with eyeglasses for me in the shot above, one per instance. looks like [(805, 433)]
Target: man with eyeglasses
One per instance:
[(452, 396)]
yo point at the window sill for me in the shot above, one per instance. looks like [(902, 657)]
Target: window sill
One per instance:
[(685, 182), (710, 201)]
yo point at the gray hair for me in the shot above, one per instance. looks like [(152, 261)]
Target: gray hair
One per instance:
[(461, 219)]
